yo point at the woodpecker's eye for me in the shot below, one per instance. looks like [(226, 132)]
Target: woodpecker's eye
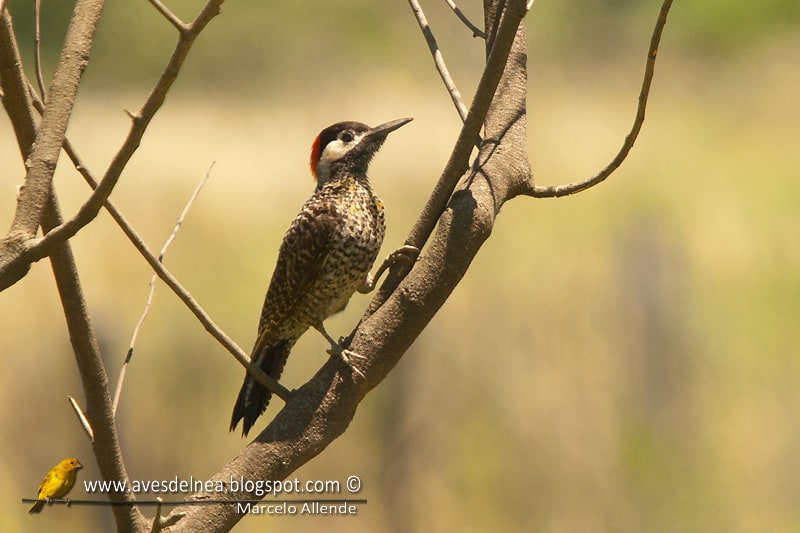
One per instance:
[(346, 136)]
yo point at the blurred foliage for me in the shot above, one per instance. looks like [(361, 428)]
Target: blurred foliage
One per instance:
[(622, 360)]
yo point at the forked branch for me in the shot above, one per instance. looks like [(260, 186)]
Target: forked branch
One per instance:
[(33, 249), (556, 191)]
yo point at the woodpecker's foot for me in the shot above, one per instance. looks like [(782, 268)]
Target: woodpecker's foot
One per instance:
[(405, 254), (337, 350), (67, 502), (347, 356)]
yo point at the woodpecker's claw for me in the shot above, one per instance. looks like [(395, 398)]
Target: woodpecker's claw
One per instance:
[(337, 350), (347, 357), (406, 254)]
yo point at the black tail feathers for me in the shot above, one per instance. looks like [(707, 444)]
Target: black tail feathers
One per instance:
[(253, 397)]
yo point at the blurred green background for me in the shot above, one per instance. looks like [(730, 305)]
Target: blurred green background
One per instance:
[(621, 360)]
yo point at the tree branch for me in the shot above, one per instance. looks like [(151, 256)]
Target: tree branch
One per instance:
[(152, 288), (459, 157), (105, 441), (93, 375), (438, 60), (320, 411), (37, 48), (476, 31), (41, 162), (172, 282), (557, 191), (170, 16), (29, 250), (33, 195)]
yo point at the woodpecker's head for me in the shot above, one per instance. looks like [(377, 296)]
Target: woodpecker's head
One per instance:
[(348, 147)]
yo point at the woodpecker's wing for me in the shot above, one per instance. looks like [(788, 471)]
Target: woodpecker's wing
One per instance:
[(305, 249)]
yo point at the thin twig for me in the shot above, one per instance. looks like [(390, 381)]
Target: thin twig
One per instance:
[(162, 522), (140, 121), (82, 417), (556, 191), (171, 281), (459, 156), (152, 287), (271, 384), (37, 48), (438, 60), (476, 31), (170, 16)]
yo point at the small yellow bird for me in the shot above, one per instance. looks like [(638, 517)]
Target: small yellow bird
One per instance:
[(57, 482)]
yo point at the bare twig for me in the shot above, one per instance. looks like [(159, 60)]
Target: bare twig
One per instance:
[(87, 427), (171, 281), (161, 522), (459, 157), (556, 191), (16, 95), (37, 48), (476, 31), (152, 287), (170, 16), (438, 60), (36, 249)]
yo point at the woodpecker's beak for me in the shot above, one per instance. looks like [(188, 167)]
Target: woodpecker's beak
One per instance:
[(380, 132)]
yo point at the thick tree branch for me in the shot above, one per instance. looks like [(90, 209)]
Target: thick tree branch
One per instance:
[(14, 263), (557, 191), (93, 375), (50, 134), (42, 160)]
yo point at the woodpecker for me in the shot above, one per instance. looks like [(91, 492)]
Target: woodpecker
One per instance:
[(326, 256)]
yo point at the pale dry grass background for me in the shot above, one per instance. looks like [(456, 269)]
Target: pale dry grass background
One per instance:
[(624, 360)]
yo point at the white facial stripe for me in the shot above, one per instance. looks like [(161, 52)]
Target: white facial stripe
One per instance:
[(334, 151)]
